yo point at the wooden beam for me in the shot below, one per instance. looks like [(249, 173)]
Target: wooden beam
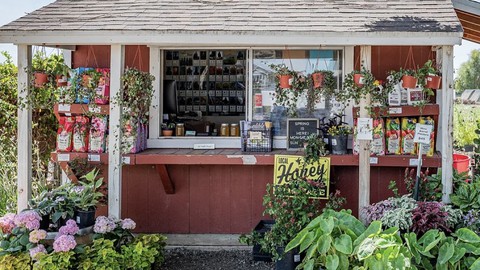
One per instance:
[(446, 119), (114, 139), (156, 107), (24, 127), (364, 145), (168, 185)]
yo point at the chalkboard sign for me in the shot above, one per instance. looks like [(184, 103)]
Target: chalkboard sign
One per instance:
[(298, 129)]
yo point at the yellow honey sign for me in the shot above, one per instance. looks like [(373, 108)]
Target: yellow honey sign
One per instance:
[(288, 167)]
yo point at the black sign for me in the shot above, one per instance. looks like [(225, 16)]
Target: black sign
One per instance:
[(298, 129)]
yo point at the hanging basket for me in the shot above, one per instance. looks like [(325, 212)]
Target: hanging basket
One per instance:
[(285, 81), (409, 81), (358, 79), (317, 78), (41, 78), (433, 82)]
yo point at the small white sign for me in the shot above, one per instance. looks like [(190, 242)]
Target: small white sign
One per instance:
[(126, 160), (63, 157), (365, 129), (204, 146), (413, 162), (422, 133), (395, 110), (373, 160), (63, 107), (94, 109), (93, 157)]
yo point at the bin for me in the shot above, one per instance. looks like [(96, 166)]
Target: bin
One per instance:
[(461, 163)]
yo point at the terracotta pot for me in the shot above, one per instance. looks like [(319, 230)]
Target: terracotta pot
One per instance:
[(61, 80), (285, 81), (167, 132), (41, 79), (409, 81), (86, 80), (358, 79), (433, 82), (317, 78)]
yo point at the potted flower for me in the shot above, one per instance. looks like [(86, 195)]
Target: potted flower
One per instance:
[(338, 138), (167, 129), (43, 204), (63, 206), (86, 197)]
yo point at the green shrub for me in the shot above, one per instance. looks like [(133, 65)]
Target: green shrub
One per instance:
[(465, 119), (55, 261), (15, 261), (101, 255), (144, 251)]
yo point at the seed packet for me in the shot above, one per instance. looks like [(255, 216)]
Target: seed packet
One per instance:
[(393, 136), (64, 134), (377, 146), (408, 133), (97, 138), (428, 149), (102, 92), (80, 134), (83, 94)]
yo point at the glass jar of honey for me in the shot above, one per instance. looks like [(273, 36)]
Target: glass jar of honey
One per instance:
[(234, 130), (224, 130), (180, 129)]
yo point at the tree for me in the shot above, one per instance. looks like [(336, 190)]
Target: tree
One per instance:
[(469, 73)]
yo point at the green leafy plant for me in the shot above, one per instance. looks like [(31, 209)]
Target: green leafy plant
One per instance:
[(353, 91), (144, 251), (288, 97), (339, 130), (314, 148), (466, 196), (55, 261), (101, 255), (87, 195), (15, 261), (326, 89)]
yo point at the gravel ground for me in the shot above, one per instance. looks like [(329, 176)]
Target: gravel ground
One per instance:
[(190, 259)]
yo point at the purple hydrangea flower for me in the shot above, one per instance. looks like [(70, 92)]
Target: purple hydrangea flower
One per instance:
[(36, 250), (28, 219), (104, 225), (64, 243), (70, 228), (37, 235), (7, 223), (78, 189), (128, 224)]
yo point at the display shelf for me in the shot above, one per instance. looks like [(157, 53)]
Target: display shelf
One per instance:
[(79, 109), (102, 158), (403, 111)]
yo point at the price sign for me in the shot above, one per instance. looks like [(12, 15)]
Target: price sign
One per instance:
[(422, 133)]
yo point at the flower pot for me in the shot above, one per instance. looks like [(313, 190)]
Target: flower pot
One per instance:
[(167, 132), (41, 78), (433, 82), (285, 81), (61, 80), (45, 222), (339, 144), (409, 81), (262, 227), (63, 221), (289, 260), (85, 218), (461, 163), (358, 79), (317, 78)]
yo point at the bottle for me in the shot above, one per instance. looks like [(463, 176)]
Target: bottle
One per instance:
[(224, 130), (234, 130), (180, 129)]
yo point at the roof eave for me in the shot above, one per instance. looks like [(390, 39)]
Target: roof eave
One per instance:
[(229, 38)]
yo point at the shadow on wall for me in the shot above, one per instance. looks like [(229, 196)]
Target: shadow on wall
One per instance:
[(412, 24)]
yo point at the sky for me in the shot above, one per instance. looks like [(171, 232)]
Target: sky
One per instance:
[(14, 9)]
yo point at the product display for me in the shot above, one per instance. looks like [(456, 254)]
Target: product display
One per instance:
[(408, 134), (80, 134), (393, 136), (64, 134), (428, 149)]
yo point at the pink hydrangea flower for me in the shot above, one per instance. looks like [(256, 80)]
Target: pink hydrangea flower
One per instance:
[(7, 223), (128, 224), (37, 235), (28, 219), (70, 228), (36, 250), (104, 225), (64, 243)]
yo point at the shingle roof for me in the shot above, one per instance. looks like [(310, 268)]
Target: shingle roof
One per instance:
[(243, 16)]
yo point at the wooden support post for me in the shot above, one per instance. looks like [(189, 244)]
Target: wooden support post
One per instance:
[(165, 178), (364, 145), (24, 126), (115, 137), (446, 122), (155, 107)]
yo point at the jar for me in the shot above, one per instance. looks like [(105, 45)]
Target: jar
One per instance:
[(180, 129), (224, 130), (234, 130)]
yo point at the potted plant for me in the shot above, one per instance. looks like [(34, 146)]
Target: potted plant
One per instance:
[(288, 95), (409, 78), (428, 76), (284, 75), (63, 206), (59, 69), (167, 129), (86, 197), (339, 137), (40, 67), (43, 204), (314, 148), (357, 85), (323, 84)]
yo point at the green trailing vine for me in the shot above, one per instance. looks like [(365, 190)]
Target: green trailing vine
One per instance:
[(288, 97)]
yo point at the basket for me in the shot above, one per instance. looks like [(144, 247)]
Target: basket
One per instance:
[(256, 136)]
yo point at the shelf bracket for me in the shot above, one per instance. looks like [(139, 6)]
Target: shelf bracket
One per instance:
[(68, 171), (165, 178)]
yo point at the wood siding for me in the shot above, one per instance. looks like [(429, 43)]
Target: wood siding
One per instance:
[(137, 56)]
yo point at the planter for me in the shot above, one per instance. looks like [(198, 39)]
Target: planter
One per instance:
[(289, 260), (339, 144), (61, 80), (62, 221), (45, 222), (461, 163), (409, 81), (167, 132), (41, 79), (262, 227), (85, 218), (285, 81), (433, 82), (358, 79), (317, 79)]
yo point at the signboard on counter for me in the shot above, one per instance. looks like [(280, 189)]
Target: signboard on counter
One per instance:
[(298, 129)]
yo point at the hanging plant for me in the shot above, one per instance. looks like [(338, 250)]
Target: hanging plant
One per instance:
[(357, 85), (323, 84), (288, 97)]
